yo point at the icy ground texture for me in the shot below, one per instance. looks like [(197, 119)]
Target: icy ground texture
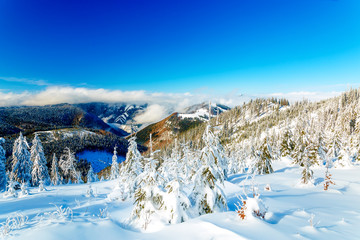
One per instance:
[(335, 213)]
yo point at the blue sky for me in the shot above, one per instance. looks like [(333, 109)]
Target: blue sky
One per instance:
[(252, 47)]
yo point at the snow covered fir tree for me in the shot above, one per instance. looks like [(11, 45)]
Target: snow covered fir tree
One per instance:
[(39, 171), (21, 163), (3, 177)]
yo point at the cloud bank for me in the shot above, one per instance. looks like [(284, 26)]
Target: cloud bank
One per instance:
[(159, 102)]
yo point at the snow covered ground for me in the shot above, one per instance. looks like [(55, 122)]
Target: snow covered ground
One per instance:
[(65, 212)]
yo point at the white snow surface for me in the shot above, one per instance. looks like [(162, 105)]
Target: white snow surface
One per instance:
[(335, 213)]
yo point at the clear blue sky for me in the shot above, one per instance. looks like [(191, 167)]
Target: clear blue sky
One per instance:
[(255, 46)]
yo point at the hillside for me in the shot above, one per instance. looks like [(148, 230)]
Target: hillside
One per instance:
[(41, 118), (166, 130), (117, 115)]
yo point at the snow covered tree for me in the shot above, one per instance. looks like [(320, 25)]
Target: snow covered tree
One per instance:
[(132, 166), (328, 180), (313, 153), (21, 163), (176, 202), (39, 169), (322, 149), (334, 147), (187, 165), (114, 166), (287, 144), (89, 192), (10, 192), (41, 186), (91, 176), (67, 165), (24, 189), (301, 142), (344, 159), (148, 195), (3, 180), (55, 177), (264, 158), (208, 194), (307, 173)]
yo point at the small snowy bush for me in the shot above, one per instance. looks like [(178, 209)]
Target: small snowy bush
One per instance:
[(251, 207), (16, 222)]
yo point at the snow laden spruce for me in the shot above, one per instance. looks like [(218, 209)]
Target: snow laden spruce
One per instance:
[(2, 166)]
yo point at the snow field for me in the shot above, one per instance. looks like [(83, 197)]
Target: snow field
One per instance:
[(65, 212)]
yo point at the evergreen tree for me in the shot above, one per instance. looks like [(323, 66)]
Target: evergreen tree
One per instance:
[(10, 192), (91, 176), (299, 154), (148, 195), (67, 165), (114, 166), (24, 189), (41, 186), (334, 147), (287, 144), (264, 158), (55, 177), (208, 194), (39, 170), (132, 166), (3, 178), (344, 159), (307, 173), (21, 163), (176, 202), (313, 153)]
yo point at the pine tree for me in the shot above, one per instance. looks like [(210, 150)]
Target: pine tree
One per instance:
[(264, 158), (132, 166), (67, 165), (21, 163), (298, 154), (176, 202), (91, 176), (3, 180), (24, 189), (114, 166), (148, 195), (41, 186), (55, 177), (39, 170), (307, 173), (208, 194), (287, 144), (334, 147), (10, 192), (313, 153), (344, 159)]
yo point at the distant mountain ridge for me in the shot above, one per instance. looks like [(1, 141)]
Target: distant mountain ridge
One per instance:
[(164, 131), (40, 118), (117, 115)]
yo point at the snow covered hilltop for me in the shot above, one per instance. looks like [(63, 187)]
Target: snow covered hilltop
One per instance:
[(266, 169)]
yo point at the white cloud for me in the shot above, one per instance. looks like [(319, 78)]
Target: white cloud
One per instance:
[(26, 81), (153, 113), (159, 102), (13, 99)]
